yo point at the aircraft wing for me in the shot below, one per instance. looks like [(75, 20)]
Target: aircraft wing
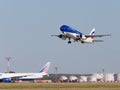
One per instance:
[(62, 36), (13, 75), (99, 35), (55, 35), (16, 77), (19, 76)]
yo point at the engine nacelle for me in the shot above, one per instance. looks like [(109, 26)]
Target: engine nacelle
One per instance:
[(63, 37), (6, 80), (82, 37)]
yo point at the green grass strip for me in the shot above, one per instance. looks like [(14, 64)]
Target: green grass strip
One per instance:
[(55, 85)]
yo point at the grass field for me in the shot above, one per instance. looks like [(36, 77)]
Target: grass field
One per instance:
[(59, 86)]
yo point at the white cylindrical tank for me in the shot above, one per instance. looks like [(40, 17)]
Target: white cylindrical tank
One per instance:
[(99, 76), (63, 79), (117, 77), (92, 79), (96, 77), (83, 79), (73, 79), (109, 77)]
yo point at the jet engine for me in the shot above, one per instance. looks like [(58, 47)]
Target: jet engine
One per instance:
[(63, 37), (6, 80), (82, 37)]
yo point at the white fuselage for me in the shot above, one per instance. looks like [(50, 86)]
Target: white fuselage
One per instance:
[(22, 75), (75, 37), (71, 35)]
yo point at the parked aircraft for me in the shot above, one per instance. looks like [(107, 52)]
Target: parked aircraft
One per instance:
[(70, 33), (11, 77)]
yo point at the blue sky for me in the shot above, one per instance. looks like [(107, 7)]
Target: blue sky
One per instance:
[(26, 27)]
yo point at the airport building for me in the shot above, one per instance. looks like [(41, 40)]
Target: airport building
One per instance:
[(91, 78)]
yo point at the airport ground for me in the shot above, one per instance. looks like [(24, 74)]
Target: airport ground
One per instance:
[(59, 86)]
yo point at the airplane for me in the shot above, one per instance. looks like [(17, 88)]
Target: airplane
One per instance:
[(71, 33), (11, 77)]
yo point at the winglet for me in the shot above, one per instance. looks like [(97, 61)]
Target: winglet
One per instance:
[(45, 68)]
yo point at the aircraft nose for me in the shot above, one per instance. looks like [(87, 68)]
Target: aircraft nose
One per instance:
[(63, 27)]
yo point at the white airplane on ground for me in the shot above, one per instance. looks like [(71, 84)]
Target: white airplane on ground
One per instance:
[(70, 33), (11, 77)]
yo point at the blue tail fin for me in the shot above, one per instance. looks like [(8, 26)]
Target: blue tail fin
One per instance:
[(45, 68)]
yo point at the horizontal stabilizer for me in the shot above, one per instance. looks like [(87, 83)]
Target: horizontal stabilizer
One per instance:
[(97, 35), (98, 41)]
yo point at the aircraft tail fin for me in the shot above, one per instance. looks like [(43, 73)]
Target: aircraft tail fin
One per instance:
[(92, 32), (45, 68)]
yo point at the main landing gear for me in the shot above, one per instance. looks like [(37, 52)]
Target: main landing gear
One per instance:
[(69, 42)]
